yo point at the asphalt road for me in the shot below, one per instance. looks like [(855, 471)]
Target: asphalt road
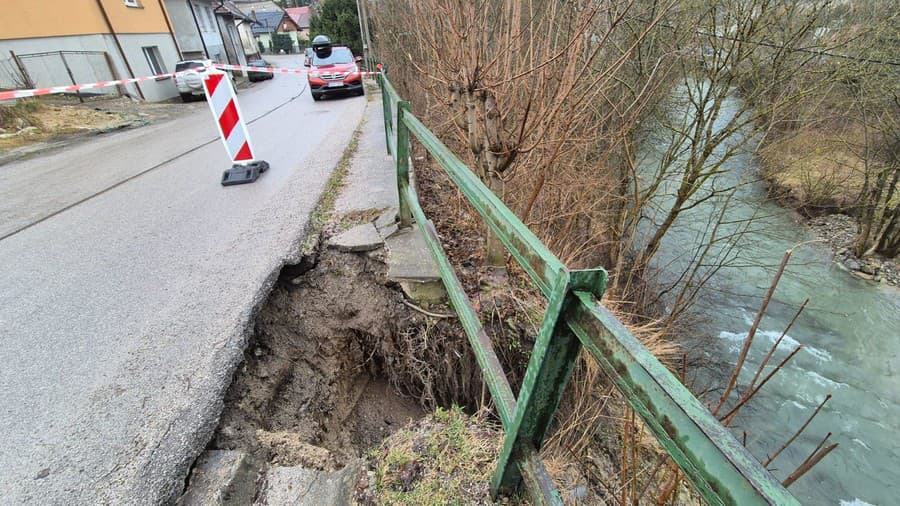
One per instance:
[(128, 277)]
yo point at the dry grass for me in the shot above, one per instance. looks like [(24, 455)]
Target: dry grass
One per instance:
[(584, 448), (817, 167)]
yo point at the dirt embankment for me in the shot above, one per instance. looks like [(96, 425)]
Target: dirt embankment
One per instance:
[(29, 123), (340, 366)]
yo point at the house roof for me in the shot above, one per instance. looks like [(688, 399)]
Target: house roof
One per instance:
[(228, 8), (266, 21), (300, 15)]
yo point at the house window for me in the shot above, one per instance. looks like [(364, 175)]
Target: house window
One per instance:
[(154, 60), (132, 3)]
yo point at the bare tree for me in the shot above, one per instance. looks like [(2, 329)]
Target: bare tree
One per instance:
[(734, 79), (541, 95)]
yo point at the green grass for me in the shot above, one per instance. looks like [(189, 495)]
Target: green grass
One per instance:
[(325, 207), (446, 458), (21, 109)]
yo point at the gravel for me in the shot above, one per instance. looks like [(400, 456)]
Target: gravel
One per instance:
[(839, 230)]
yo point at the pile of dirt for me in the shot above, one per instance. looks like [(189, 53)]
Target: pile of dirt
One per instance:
[(28, 122), (338, 361)]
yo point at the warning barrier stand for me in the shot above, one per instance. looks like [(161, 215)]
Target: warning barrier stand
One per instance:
[(223, 103)]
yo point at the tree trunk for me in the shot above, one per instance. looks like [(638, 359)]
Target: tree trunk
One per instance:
[(889, 243), (495, 252)]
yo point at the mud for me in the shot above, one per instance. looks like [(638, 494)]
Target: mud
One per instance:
[(311, 391)]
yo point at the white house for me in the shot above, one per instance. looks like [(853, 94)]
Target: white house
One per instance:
[(197, 29)]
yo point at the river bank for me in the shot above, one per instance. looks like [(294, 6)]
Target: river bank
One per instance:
[(816, 174), (847, 330), (839, 232)]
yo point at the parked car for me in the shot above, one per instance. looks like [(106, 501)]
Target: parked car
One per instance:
[(190, 85), (259, 76), (335, 72)]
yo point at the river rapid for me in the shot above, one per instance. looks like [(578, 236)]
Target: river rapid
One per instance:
[(850, 330)]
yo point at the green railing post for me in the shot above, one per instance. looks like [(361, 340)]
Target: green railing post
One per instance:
[(386, 109), (549, 369), (401, 158)]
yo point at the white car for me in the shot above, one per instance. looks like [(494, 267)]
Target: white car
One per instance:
[(191, 84)]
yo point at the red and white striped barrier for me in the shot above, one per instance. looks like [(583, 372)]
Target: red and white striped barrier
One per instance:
[(10, 95), (273, 70), (232, 129), (221, 99)]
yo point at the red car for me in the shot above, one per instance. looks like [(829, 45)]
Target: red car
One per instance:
[(335, 72)]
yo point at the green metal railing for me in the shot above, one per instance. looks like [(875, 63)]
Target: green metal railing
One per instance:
[(721, 470)]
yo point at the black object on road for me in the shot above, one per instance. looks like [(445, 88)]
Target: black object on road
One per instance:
[(244, 173)]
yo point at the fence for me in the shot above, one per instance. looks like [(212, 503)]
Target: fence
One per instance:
[(720, 469), (33, 70)]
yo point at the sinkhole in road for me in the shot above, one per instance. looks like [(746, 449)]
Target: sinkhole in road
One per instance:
[(312, 390), (336, 363)]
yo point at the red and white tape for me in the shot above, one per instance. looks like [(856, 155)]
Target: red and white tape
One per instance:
[(228, 116), (9, 95), (273, 70)]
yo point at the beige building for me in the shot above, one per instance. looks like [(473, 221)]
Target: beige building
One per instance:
[(135, 36)]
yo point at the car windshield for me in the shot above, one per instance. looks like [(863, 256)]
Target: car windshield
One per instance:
[(180, 66), (258, 63), (339, 55)]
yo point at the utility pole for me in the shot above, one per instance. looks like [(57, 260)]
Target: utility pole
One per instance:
[(371, 62), (362, 38), (364, 33)]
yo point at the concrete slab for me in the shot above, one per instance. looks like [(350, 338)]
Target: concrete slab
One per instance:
[(424, 292), (388, 230), (359, 238), (409, 258), (298, 486), (387, 218), (371, 181), (220, 477)]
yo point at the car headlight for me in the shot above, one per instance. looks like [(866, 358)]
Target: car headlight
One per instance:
[(313, 74), (354, 69)]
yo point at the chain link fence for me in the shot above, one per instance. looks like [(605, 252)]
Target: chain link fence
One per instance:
[(56, 68)]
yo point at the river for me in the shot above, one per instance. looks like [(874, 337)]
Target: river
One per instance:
[(850, 329)]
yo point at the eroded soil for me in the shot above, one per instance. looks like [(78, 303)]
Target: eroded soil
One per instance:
[(312, 391)]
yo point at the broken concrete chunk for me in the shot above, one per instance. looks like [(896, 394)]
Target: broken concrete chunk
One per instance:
[(388, 230), (359, 238), (219, 478), (388, 217), (410, 264), (298, 486), (410, 259), (427, 292)]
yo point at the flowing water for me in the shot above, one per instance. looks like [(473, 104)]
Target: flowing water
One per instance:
[(850, 330)]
